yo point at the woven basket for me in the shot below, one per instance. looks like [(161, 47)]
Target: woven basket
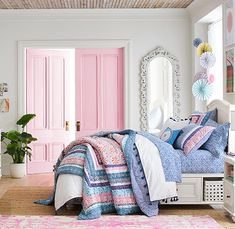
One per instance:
[(213, 190)]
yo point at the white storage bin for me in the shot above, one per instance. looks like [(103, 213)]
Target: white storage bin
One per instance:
[(213, 190)]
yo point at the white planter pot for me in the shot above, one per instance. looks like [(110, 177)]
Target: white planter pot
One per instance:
[(18, 170)]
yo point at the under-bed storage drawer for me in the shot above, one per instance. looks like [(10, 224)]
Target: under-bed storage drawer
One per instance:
[(229, 196), (190, 190)]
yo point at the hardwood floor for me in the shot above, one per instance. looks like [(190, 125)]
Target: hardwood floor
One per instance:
[(6, 183)]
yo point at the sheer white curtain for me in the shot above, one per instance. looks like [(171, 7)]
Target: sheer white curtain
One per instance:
[(215, 39)]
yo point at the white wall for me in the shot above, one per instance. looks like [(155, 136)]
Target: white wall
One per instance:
[(200, 8), (146, 29)]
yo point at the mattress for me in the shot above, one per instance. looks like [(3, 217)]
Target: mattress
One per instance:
[(201, 161)]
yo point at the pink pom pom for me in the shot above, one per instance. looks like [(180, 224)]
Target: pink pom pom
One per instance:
[(211, 78)]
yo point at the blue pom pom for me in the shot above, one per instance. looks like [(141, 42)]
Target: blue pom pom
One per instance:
[(197, 41)]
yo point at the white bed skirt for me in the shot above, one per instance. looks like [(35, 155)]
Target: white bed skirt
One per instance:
[(68, 186)]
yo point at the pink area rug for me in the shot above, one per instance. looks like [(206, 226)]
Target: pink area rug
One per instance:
[(110, 221)]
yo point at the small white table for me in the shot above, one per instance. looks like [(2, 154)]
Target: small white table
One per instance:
[(229, 186)]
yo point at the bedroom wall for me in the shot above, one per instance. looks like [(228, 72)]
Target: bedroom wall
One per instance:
[(146, 29), (200, 8)]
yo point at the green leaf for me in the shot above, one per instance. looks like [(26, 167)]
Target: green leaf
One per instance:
[(26, 135), (13, 135), (23, 121), (13, 146), (3, 135), (12, 149), (19, 157)]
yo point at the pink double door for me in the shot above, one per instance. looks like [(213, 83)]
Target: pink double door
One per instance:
[(73, 93)]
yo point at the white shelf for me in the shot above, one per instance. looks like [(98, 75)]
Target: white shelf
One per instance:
[(0, 156), (229, 186)]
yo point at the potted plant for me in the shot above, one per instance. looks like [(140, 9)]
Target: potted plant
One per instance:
[(17, 146)]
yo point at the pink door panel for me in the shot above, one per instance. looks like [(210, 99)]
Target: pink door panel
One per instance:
[(87, 92), (47, 76), (112, 93), (36, 91), (55, 148), (40, 153), (99, 81), (57, 93)]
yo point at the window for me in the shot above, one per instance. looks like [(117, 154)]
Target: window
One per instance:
[(215, 39)]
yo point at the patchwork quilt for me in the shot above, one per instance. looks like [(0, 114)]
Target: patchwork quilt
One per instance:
[(114, 176)]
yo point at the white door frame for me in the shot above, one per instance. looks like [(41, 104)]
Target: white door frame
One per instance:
[(22, 45)]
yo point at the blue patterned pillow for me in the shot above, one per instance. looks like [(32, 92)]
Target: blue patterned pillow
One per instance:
[(169, 135), (201, 118), (193, 137), (218, 140)]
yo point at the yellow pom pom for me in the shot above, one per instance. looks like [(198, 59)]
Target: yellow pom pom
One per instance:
[(203, 47)]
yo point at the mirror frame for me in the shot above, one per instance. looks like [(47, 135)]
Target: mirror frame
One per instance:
[(144, 70)]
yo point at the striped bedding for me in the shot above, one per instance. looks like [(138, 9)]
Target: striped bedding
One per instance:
[(108, 164)]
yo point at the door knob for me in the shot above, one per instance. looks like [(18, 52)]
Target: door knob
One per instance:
[(67, 125), (78, 125)]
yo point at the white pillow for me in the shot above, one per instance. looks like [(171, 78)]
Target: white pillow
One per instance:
[(174, 125)]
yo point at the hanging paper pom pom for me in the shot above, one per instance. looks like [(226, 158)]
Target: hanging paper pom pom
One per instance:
[(207, 60), (196, 42), (203, 47), (211, 78), (200, 75), (202, 90)]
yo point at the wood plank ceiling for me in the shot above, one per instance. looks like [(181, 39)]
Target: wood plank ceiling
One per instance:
[(91, 4)]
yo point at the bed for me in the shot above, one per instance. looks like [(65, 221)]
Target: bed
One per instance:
[(192, 188), (70, 187)]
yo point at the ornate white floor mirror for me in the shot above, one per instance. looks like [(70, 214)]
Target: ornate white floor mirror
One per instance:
[(159, 89)]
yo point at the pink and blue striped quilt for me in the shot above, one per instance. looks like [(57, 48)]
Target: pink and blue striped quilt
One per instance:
[(106, 179), (113, 177)]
